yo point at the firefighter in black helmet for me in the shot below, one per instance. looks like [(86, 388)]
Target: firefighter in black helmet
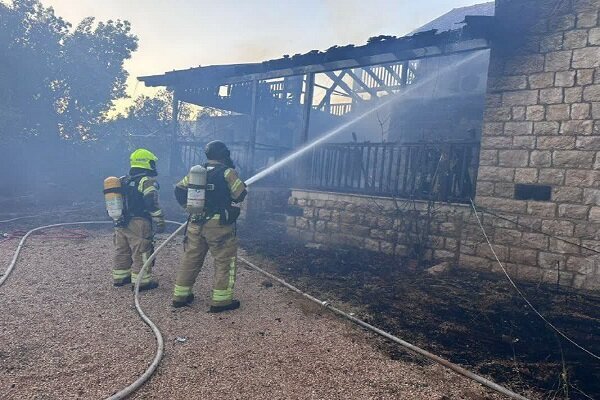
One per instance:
[(212, 230)]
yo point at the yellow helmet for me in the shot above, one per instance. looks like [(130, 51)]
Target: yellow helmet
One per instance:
[(142, 158)]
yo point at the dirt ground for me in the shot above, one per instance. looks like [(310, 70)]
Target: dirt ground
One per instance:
[(473, 319), (65, 332)]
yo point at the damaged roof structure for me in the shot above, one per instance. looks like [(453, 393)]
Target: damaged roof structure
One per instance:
[(277, 105)]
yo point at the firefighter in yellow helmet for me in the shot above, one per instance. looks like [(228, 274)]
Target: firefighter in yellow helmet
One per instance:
[(212, 230), (134, 233)]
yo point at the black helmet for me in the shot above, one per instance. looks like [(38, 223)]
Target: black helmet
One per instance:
[(217, 150)]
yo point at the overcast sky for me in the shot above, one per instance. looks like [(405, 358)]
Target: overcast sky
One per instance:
[(178, 34)]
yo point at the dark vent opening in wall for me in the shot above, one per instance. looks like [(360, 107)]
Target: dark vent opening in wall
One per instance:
[(533, 192)]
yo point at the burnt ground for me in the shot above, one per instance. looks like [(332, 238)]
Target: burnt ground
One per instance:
[(473, 319)]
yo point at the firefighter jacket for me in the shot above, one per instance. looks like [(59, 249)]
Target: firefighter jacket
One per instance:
[(225, 188), (141, 195)]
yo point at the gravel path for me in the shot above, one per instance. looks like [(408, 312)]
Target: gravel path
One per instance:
[(65, 333)]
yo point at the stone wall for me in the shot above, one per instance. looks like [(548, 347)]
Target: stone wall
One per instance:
[(377, 224), (542, 127), (443, 232)]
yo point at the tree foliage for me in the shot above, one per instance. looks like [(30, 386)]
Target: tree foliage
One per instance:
[(57, 81)]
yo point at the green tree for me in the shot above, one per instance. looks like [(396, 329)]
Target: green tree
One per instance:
[(56, 82)]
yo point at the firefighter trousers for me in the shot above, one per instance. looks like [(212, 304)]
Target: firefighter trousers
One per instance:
[(221, 241), (134, 245)]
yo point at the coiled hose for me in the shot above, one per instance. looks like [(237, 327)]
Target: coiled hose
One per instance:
[(123, 393)]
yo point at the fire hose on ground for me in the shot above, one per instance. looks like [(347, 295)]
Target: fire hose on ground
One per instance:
[(123, 393)]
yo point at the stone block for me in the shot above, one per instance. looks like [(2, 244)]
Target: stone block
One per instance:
[(551, 176), (575, 39), (559, 61), (558, 227), (488, 157), (518, 113), (493, 100), (525, 64), (290, 221), (546, 128), (541, 209), (483, 250), (573, 211), (573, 94), (476, 263), (588, 20), (540, 159), (513, 158), (551, 261), (530, 222), (535, 113), (496, 174), (505, 190), (524, 142), (580, 110), (567, 194), (534, 240), (591, 196), (308, 212), (591, 92), (523, 256), (577, 127), (573, 159), (503, 236), (556, 142), (503, 205), (551, 96), (520, 98), (588, 143), (485, 189), (493, 129), (502, 83), (496, 142), (583, 178), (588, 57), (349, 218), (497, 114), (596, 110), (584, 77), (518, 128), (594, 215), (560, 21), (552, 42), (526, 175), (564, 244), (594, 37), (541, 81), (558, 112), (581, 265)]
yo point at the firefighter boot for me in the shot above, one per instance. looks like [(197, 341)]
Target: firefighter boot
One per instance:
[(185, 302), (235, 304)]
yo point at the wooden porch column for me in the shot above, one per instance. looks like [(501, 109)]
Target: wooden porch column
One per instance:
[(304, 165), (174, 160), (253, 127), (308, 100)]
